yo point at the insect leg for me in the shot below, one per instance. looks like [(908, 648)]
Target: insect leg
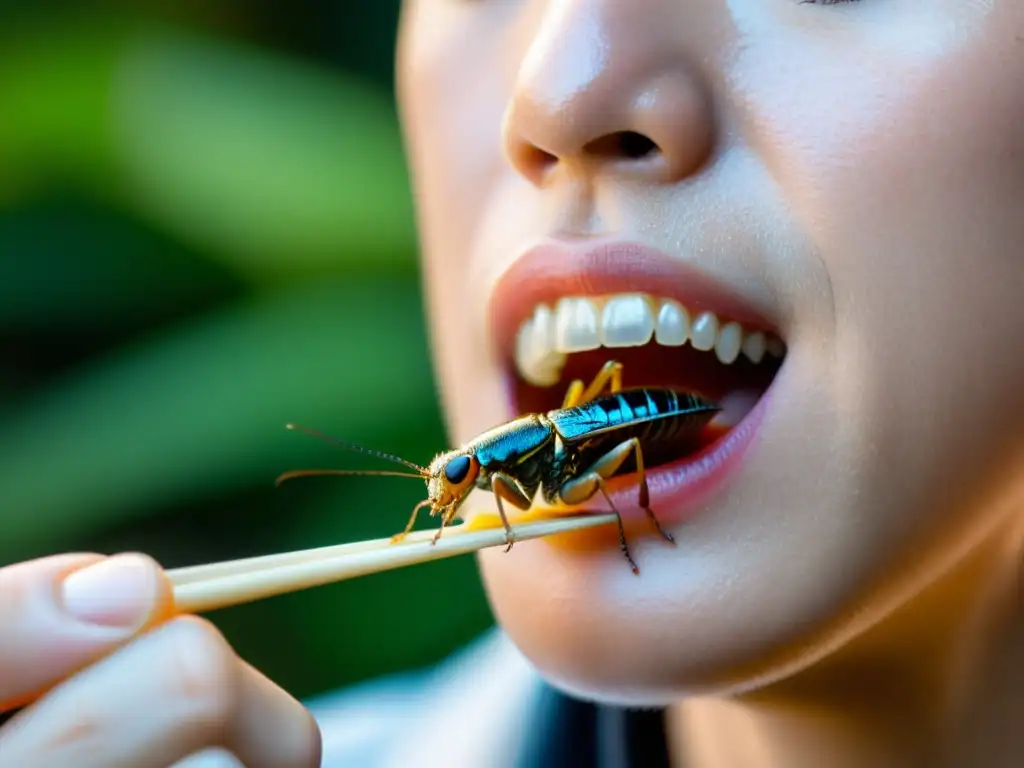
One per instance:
[(507, 488), (446, 519), (609, 464), (582, 488), (610, 375), (412, 521)]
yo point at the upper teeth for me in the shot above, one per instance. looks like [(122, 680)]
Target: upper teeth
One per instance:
[(581, 323)]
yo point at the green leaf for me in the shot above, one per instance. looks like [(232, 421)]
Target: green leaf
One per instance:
[(203, 407), (272, 167), (68, 270)]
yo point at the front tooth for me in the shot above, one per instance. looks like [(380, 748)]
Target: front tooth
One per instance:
[(753, 346), (673, 325), (727, 345), (627, 321), (704, 331), (576, 326)]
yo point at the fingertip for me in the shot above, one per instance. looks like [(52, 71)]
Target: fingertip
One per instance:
[(122, 591), (61, 613), (316, 743), (300, 741)]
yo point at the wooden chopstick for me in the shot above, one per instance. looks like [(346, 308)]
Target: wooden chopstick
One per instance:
[(219, 585)]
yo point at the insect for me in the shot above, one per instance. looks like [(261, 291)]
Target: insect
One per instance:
[(567, 454)]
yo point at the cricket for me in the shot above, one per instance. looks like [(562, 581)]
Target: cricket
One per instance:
[(567, 454)]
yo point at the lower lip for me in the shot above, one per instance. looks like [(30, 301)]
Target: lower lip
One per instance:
[(677, 490)]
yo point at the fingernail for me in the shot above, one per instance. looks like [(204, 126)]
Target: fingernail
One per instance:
[(117, 592)]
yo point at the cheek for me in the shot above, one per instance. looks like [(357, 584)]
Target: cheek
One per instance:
[(453, 91), (905, 165), (452, 96)]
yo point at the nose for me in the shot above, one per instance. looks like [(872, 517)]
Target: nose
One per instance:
[(601, 90)]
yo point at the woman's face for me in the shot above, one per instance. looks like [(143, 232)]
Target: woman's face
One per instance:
[(847, 177)]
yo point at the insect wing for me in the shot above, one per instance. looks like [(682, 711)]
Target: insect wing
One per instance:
[(628, 408)]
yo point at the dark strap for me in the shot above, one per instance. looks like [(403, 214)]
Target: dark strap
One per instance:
[(570, 733)]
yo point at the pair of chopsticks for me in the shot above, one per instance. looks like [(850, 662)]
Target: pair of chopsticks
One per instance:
[(201, 588)]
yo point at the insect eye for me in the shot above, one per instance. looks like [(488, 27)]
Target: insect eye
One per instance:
[(455, 471)]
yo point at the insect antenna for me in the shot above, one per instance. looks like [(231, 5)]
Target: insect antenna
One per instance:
[(318, 472), (421, 471)]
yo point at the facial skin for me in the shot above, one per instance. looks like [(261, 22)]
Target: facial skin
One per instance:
[(857, 168)]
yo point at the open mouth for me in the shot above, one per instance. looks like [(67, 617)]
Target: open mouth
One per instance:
[(560, 316), (660, 344)]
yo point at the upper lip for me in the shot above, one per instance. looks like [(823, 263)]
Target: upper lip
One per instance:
[(552, 270)]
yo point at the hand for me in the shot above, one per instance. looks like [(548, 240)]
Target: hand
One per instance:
[(115, 696)]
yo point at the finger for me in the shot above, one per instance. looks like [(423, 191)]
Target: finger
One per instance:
[(59, 614), (169, 694)]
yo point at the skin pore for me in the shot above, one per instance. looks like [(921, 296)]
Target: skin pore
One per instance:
[(856, 170)]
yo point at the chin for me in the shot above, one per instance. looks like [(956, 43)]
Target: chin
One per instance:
[(765, 581), (791, 557)]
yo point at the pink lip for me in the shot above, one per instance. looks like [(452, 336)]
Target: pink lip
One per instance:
[(552, 270)]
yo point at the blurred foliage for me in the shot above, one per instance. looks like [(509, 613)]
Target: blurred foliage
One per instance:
[(206, 232)]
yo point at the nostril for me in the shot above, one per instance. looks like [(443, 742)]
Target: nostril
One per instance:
[(627, 144), (635, 145), (536, 163), (533, 160), (541, 158)]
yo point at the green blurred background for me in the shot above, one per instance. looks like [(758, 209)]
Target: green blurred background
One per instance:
[(205, 233)]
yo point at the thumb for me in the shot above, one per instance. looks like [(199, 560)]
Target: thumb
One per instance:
[(60, 614)]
